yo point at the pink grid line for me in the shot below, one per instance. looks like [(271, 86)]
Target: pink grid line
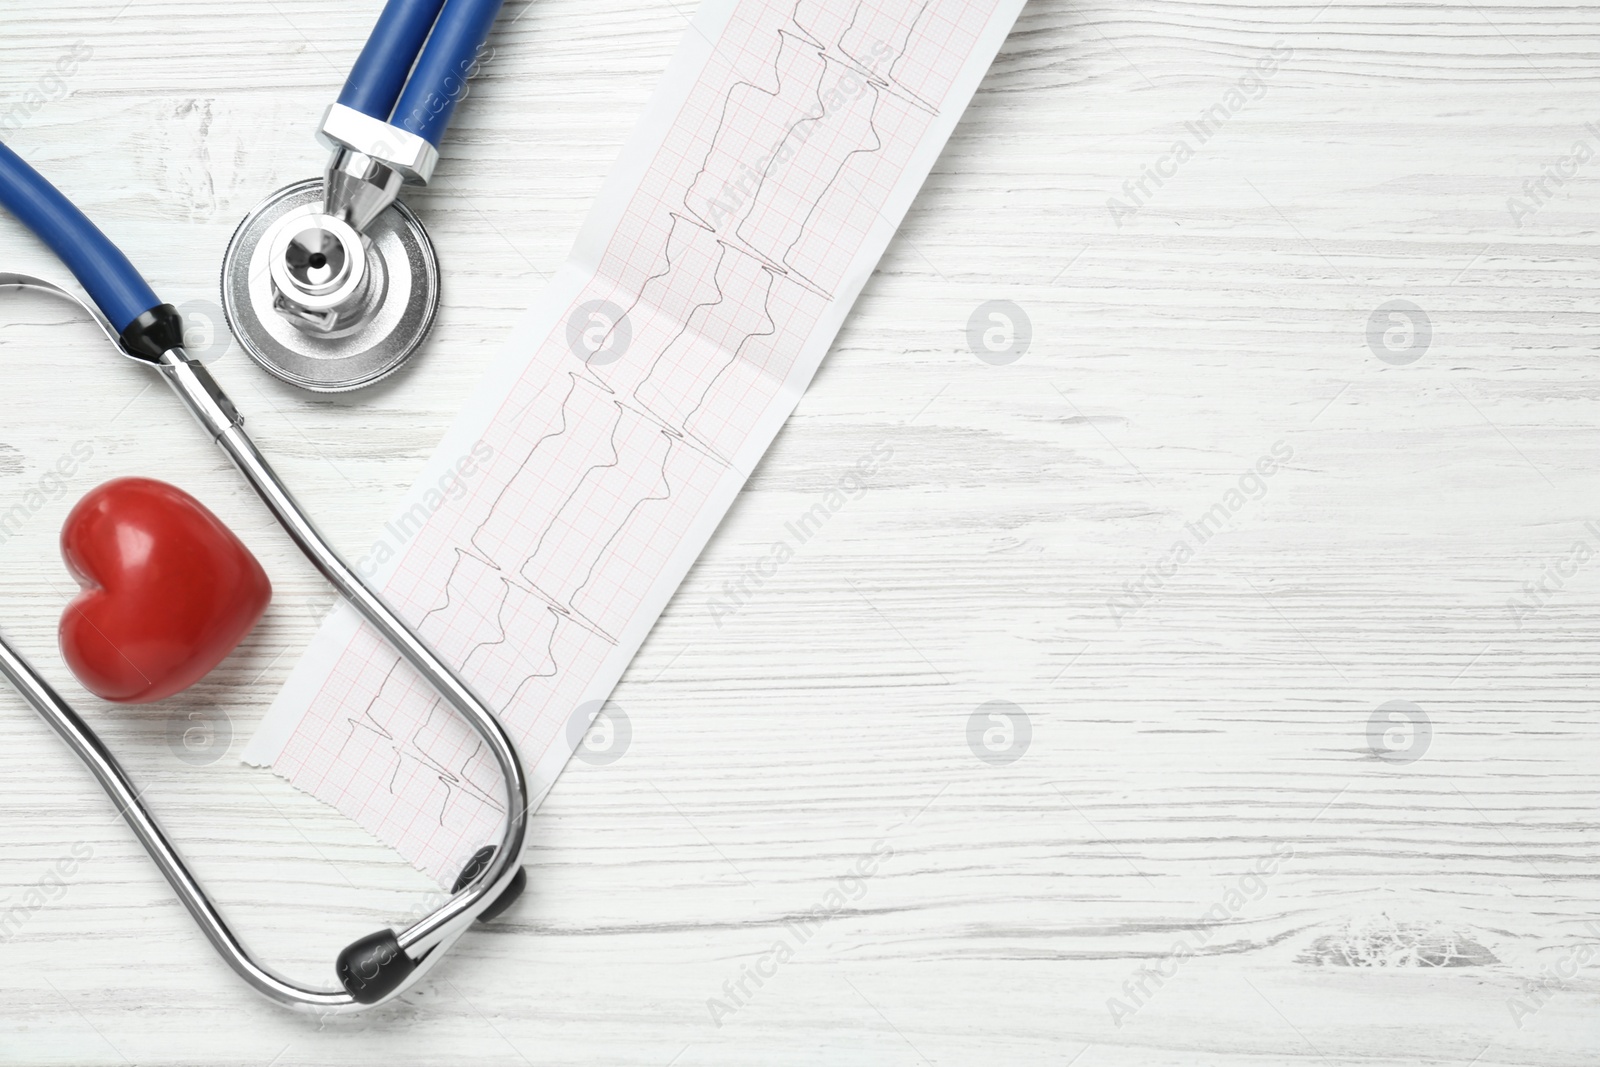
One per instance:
[(759, 198)]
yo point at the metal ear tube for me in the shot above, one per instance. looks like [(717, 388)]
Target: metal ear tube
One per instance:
[(503, 874), (330, 284), (380, 966)]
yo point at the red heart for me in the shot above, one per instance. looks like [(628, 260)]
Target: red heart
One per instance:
[(168, 591)]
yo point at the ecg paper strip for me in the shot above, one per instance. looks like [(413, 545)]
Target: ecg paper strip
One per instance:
[(594, 462)]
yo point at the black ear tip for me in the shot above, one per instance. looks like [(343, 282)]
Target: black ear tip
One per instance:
[(475, 866), (373, 967)]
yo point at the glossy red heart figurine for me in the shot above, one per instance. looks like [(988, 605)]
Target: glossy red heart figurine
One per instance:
[(168, 590)]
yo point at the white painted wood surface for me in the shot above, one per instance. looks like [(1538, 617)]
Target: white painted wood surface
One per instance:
[(1169, 756)]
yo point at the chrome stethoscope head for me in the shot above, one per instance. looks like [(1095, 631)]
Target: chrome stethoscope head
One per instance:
[(332, 284)]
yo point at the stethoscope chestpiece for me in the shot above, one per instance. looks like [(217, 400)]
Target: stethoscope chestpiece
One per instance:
[(321, 305), (331, 285)]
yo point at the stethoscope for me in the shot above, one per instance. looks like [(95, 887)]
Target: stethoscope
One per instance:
[(331, 284), (380, 966)]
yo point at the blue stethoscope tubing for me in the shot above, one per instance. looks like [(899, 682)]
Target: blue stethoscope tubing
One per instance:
[(115, 285), (414, 71)]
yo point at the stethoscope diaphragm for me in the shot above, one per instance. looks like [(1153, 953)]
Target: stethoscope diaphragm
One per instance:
[(321, 306)]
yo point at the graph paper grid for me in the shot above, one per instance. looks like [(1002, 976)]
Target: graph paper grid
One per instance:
[(781, 151)]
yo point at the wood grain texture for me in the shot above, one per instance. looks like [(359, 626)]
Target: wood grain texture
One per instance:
[(1433, 911)]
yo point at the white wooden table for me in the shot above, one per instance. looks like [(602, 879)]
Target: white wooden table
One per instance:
[(1204, 850)]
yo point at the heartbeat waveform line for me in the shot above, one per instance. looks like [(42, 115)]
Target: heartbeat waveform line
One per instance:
[(677, 246), (785, 37), (751, 213), (733, 360), (524, 467), (666, 494)]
